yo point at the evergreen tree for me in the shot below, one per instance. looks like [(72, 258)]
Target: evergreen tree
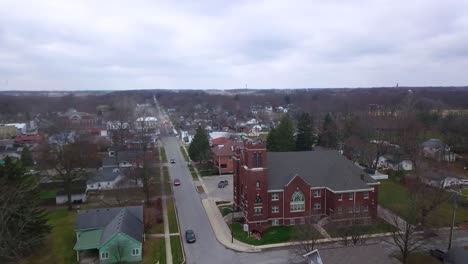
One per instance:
[(271, 140), (26, 157), (199, 149), (282, 138), (329, 135), (304, 137), (23, 225)]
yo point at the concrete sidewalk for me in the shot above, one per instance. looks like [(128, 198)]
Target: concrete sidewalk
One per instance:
[(221, 230), (391, 217)]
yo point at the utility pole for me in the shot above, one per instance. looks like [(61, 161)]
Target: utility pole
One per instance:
[(454, 197)]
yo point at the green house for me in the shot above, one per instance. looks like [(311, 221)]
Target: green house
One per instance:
[(113, 234)]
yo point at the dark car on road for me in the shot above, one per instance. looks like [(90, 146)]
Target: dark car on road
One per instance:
[(190, 236), (437, 253), (172, 161), (176, 182), (223, 183)]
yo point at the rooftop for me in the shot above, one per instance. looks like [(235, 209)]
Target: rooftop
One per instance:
[(319, 168)]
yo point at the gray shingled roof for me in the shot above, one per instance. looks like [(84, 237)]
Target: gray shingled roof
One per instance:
[(105, 174), (124, 222), (320, 168), (99, 218)]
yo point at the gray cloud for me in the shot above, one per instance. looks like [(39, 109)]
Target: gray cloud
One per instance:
[(225, 44)]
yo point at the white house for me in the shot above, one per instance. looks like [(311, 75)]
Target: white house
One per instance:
[(105, 179), (114, 125)]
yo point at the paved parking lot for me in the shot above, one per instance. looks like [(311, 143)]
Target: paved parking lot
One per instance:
[(219, 194)]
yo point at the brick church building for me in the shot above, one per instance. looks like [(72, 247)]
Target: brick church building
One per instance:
[(284, 188)]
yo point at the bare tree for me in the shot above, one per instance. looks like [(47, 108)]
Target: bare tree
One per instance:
[(122, 117), (307, 236), (407, 239), (427, 199), (143, 113), (69, 162)]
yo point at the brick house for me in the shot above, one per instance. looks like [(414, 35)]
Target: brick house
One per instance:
[(73, 119), (284, 188), (222, 155)]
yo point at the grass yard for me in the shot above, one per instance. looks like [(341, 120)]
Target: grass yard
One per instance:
[(380, 227), (171, 214), (167, 181), (157, 229), (395, 196), (176, 248), (225, 210), (58, 247), (184, 153), (163, 155), (274, 234), (43, 195), (154, 250), (193, 172)]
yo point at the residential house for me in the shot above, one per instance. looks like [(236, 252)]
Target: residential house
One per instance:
[(115, 234), (105, 179), (436, 149), (124, 158), (285, 188), (222, 155)]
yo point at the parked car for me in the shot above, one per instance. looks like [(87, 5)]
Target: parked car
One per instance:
[(176, 182), (190, 236), (437, 253), (223, 183), (172, 161)]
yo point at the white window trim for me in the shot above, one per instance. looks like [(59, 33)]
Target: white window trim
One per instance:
[(366, 195), (340, 197), (351, 196), (319, 206), (137, 252), (319, 193), (273, 197), (105, 255), (273, 209)]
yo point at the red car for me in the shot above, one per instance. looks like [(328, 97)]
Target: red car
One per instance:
[(176, 182)]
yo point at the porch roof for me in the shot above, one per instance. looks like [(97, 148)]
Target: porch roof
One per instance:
[(89, 239)]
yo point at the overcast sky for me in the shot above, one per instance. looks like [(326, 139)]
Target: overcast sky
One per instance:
[(226, 44)]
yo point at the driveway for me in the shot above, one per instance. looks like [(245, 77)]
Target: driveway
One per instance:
[(219, 194)]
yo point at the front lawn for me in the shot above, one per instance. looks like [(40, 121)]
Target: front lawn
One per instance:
[(273, 235), (193, 172), (176, 247), (395, 196), (167, 181), (154, 251), (58, 247), (380, 227), (171, 214)]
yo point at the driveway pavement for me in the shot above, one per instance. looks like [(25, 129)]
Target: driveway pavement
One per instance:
[(219, 194)]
